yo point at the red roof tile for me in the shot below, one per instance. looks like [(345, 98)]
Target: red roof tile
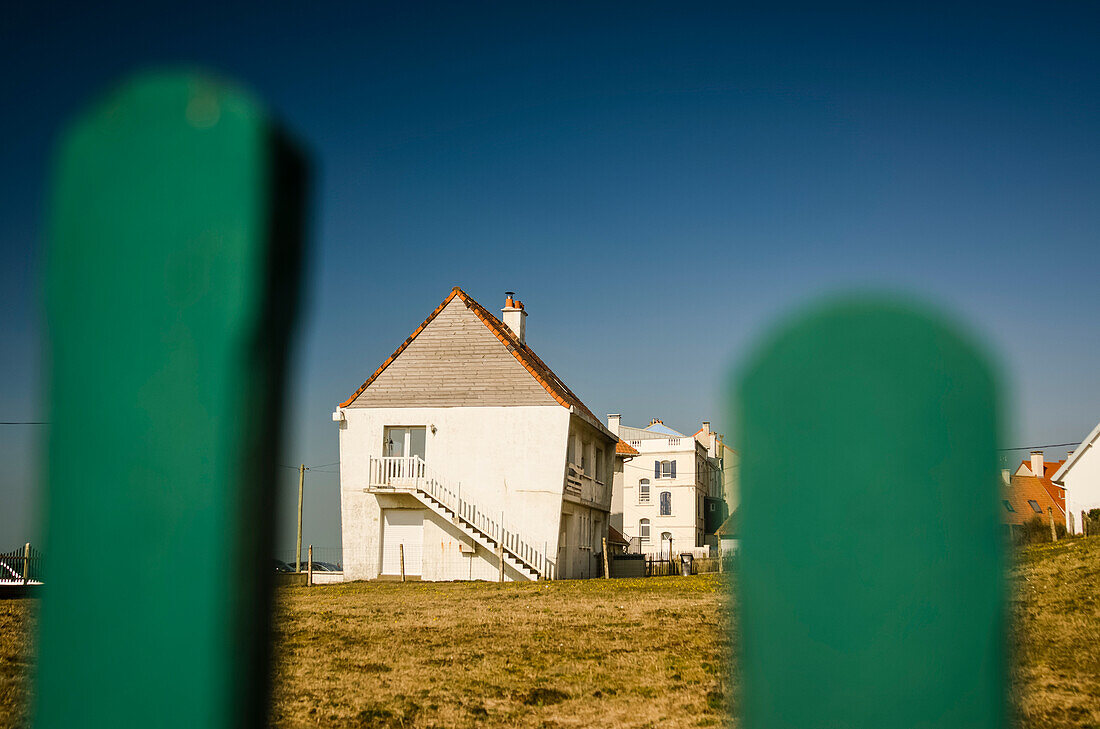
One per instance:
[(1058, 493), (622, 448), (1024, 489)]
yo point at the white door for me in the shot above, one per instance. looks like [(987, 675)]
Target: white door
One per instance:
[(402, 528)]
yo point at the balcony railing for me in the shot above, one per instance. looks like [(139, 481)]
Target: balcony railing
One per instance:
[(411, 473)]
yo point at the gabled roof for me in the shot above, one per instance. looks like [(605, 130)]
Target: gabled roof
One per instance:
[(1049, 468), (1086, 444), (614, 536), (1056, 491), (731, 526), (660, 427), (622, 448), (1020, 491), (523, 354)]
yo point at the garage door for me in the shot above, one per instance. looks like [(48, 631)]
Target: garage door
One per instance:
[(402, 527)]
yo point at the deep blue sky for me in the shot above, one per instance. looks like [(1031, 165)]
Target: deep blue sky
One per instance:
[(658, 182)]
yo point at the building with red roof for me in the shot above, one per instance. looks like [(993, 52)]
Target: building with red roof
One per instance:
[(464, 456)]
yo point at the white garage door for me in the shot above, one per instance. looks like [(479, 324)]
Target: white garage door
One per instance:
[(402, 527)]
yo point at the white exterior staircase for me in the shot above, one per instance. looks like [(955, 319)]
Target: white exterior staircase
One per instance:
[(411, 475)]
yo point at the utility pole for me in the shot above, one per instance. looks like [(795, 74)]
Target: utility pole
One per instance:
[(298, 550)]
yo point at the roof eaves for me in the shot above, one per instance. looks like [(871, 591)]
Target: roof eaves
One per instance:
[(1087, 443), (535, 366), (456, 291)]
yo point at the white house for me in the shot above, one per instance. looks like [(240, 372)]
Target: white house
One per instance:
[(1080, 476), (463, 446), (664, 494)]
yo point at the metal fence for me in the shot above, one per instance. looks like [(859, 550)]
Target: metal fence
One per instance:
[(21, 566)]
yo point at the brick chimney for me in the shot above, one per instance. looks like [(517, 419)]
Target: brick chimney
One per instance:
[(1037, 464), (514, 317)]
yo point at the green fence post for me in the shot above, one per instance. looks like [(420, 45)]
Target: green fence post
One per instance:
[(172, 280), (871, 574)]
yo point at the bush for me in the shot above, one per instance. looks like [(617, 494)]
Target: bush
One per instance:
[(1037, 530)]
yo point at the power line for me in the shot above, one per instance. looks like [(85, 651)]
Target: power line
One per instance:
[(311, 468), (1037, 447)]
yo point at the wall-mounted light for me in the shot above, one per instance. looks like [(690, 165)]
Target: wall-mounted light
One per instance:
[(433, 428)]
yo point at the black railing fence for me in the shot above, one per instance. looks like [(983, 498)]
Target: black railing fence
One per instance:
[(21, 565)]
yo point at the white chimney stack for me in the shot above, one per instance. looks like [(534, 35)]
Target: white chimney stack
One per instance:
[(613, 423), (1037, 464), (515, 318), (1006, 477)]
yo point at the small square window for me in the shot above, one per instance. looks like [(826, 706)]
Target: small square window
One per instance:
[(1035, 505), (1008, 506)]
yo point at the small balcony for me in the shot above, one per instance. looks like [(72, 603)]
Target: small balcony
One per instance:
[(397, 473)]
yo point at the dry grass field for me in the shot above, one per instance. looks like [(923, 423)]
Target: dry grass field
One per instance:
[(585, 653)]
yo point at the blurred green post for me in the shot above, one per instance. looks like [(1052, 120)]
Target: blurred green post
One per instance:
[(172, 282), (872, 567)]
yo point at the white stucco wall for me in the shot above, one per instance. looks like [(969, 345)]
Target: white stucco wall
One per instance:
[(686, 520), (1082, 483), (510, 458)]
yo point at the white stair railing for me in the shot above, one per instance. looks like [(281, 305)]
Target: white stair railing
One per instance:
[(411, 473)]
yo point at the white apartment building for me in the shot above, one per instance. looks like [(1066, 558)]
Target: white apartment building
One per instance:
[(663, 496)]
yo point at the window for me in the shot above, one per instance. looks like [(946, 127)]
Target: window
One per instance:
[(1008, 506), (643, 531), (571, 450), (599, 465), (643, 491), (712, 506), (666, 536), (1035, 505), (664, 469), (666, 503), (402, 442)]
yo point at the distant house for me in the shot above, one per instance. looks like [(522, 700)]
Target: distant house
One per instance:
[(729, 533), (1026, 497), (1079, 475), (464, 450), (662, 498), (1044, 470)]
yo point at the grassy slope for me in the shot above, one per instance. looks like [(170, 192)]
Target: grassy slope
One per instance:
[(571, 653), (1057, 603), (611, 653)]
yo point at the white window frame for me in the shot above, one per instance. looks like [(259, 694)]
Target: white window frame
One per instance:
[(643, 531), (666, 469), (406, 445), (647, 498)]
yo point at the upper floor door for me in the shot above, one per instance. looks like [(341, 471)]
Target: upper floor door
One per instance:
[(400, 441)]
